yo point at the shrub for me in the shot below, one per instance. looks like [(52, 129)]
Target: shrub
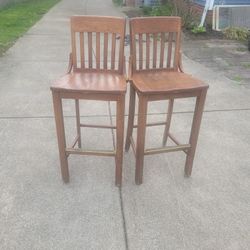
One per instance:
[(236, 33), (161, 10), (182, 8), (147, 10), (118, 2), (198, 30)]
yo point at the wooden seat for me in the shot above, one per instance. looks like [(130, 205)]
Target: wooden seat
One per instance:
[(92, 82), (162, 81), (156, 74), (95, 72)]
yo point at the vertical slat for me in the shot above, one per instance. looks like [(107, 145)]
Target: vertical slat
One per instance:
[(121, 59), (177, 50), (133, 51), (147, 50), (162, 49), (170, 42), (82, 49), (73, 41), (105, 50), (140, 51), (90, 49), (154, 49), (113, 51), (98, 50)]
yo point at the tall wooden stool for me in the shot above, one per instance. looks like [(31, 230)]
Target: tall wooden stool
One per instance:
[(95, 73), (156, 74)]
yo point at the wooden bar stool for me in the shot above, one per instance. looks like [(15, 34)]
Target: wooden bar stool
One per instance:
[(156, 74), (95, 73)]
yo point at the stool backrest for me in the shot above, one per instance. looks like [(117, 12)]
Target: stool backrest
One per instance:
[(98, 43), (155, 43)]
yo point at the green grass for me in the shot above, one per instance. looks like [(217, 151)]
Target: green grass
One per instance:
[(16, 19), (241, 49), (246, 65), (237, 79)]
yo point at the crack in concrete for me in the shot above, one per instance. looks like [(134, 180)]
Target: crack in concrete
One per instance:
[(120, 189), (124, 220)]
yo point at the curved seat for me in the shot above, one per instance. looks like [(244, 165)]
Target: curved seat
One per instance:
[(165, 81), (93, 82)]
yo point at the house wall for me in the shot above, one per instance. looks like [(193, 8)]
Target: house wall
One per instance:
[(224, 2), (199, 2), (130, 2), (134, 2), (198, 10)]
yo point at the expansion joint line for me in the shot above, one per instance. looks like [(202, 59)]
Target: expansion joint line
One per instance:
[(123, 220)]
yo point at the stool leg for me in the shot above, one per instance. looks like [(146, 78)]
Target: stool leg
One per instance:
[(78, 123), (131, 116), (168, 121), (199, 106), (140, 142), (120, 107), (57, 102)]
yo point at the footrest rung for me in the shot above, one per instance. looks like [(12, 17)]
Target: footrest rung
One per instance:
[(152, 151), (97, 126), (90, 152), (152, 124)]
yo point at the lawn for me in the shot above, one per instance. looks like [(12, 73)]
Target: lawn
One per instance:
[(16, 19)]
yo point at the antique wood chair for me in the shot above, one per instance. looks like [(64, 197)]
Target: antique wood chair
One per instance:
[(93, 78), (156, 74)]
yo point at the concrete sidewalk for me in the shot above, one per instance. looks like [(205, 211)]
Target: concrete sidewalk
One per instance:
[(210, 210)]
